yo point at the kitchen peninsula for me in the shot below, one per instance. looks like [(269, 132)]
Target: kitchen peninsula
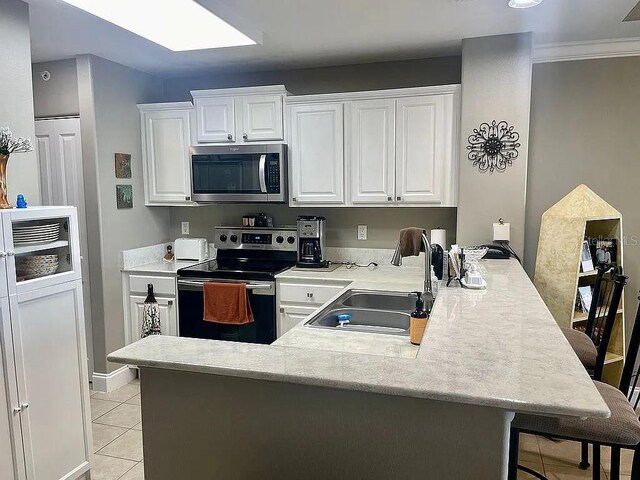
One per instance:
[(296, 409)]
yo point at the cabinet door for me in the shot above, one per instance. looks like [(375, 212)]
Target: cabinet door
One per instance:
[(11, 453), (215, 119), (372, 151), (168, 316), (420, 150), (166, 157), (262, 118), (317, 154), (53, 390), (292, 316)]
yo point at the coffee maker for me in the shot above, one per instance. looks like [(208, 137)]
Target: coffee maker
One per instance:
[(311, 242)]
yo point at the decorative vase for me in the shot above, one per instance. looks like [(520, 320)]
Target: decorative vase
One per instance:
[(4, 203)]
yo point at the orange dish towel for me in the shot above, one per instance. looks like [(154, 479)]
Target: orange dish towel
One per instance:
[(226, 303)]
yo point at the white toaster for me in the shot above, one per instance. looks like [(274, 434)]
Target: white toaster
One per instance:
[(191, 249)]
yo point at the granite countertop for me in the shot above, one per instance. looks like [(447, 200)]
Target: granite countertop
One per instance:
[(161, 267), (498, 347)]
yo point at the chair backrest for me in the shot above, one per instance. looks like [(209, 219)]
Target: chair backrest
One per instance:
[(605, 300), (630, 374)]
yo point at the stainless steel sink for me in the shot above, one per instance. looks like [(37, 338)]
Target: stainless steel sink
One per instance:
[(371, 311)]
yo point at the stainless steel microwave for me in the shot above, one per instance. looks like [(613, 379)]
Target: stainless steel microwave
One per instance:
[(239, 173)]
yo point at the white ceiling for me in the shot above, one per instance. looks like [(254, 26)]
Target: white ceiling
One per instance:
[(303, 33)]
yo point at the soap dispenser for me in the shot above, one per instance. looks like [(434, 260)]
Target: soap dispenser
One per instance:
[(418, 321)]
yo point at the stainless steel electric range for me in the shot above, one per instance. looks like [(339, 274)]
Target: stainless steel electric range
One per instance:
[(253, 256)]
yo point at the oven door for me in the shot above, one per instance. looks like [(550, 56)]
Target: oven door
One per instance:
[(253, 173), (262, 297)]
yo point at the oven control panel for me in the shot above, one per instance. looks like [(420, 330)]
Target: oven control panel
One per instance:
[(276, 238)]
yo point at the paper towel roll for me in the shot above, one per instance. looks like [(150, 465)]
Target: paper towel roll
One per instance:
[(439, 237)]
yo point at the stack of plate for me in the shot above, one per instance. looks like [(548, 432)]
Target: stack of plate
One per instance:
[(35, 266), (32, 234)]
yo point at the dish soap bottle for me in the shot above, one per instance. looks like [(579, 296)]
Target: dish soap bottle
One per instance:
[(418, 321)]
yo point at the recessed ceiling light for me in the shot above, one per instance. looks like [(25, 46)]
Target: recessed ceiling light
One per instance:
[(524, 3), (178, 25)]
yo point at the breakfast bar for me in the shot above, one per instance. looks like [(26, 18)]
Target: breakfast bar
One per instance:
[(293, 409)]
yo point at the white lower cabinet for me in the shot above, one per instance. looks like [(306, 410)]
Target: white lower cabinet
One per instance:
[(45, 376), (290, 316), (168, 316), (296, 300), (135, 293)]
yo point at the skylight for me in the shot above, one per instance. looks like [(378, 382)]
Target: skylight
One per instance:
[(178, 25)]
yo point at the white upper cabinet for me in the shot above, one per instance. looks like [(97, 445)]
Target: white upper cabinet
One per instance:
[(166, 137), (317, 154), (419, 150), (239, 115), (372, 156), (400, 147), (262, 118), (215, 118)]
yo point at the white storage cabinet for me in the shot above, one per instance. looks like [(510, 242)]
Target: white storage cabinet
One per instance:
[(45, 420), (297, 299), (166, 162), (135, 293)]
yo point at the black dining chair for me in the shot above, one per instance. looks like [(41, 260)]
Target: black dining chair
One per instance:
[(591, 345), (620, 430)]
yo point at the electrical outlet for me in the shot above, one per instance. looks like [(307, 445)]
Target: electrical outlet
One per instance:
[(185, 228), (362, 232)]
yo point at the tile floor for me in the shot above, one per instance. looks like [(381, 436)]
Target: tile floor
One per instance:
[(117, 443)]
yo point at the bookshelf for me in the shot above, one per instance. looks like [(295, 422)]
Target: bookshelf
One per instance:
[(558, 273)]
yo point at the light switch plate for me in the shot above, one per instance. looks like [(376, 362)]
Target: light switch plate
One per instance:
[(185, 228), (362, 232)]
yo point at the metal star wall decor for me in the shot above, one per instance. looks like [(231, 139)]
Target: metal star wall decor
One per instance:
[(493, 146)]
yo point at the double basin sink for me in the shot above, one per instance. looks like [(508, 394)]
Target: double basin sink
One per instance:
[(369, 311)]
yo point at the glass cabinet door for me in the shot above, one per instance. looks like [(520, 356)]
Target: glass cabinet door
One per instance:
[(42, 247)]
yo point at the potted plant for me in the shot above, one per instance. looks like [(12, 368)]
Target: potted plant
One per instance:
[(8, 145)]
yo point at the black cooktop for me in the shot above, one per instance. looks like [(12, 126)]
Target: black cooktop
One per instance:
[(237, 269)]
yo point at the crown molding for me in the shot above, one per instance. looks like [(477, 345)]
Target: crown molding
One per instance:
[(564, 52)]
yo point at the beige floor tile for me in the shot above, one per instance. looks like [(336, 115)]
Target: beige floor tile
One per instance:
[(100, 407), (559, 472), (136, 473), (534, 466), (562, 452), (124, 415), (110, 468), (138, 426), (529, 451), (134, 400), (127, 446), (122, 394), (626, 459), (104, 434)]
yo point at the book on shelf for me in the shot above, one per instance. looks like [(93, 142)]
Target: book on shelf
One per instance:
[(585, 294)]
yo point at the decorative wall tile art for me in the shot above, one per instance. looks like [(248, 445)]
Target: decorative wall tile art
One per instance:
[(124, 196), (123, 165)]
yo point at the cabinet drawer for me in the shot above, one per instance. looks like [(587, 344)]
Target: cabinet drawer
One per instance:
[(311, 294), (161, 285)]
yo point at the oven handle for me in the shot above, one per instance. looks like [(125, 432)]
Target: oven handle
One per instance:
[(261, 173), (250, 286)]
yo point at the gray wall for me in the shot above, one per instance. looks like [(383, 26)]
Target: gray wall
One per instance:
[(109, 93), (383, 223), (16, 97), (585, 117), (496, 85), (347, 78), (57, 97)]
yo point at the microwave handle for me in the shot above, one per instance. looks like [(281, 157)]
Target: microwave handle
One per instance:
[(261, 173)]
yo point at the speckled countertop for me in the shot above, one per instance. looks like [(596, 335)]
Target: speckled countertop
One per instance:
[(161, 267), (498, 347)]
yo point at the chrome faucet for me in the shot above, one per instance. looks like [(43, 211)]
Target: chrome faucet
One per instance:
[(428, 287)]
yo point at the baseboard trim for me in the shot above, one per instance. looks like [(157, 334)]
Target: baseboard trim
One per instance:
[(108, 382)]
